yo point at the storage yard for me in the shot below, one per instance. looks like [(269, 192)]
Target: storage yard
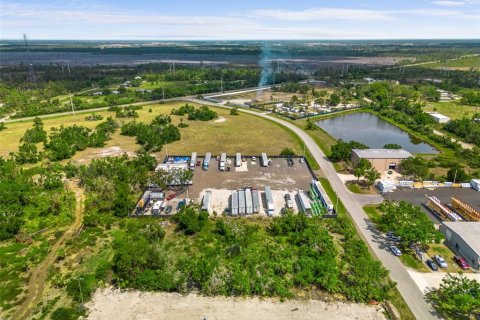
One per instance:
[(240, 185), (444, 196)]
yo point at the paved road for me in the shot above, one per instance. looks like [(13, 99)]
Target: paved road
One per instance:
[(398, 273)]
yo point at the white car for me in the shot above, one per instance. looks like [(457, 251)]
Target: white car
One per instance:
[(440, 261), (396, 251)]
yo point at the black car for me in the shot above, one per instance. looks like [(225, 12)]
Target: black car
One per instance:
[(290, 162), (287, 197), (432, 265), (168, 209)]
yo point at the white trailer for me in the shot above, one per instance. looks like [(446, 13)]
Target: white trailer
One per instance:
[(206, 161), (248, 201), (269, 199), (323, 195), (206, 201), (241, 202), (256, 201), (305, 205), (234, 204), (264, 160), (193, 160), (223, 161), (475, 184), (238, 159)]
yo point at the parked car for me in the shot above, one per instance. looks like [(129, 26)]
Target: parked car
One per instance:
[(168, 209), (395, 251), (199, 162), (391, 236), (462, 262), (170, 197), (432, 265), (440, 261), (302, 160), (254, 159), (287, 197), (290, 162)]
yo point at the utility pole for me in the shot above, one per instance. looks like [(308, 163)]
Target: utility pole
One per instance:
[(30, 65), (80, 287), (71, 103)]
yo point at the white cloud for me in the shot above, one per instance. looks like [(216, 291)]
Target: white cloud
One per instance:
[(448, 3), (320, 14), (324, 14), (451, 3)]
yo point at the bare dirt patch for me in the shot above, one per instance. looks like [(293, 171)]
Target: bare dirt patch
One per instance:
[(113, 304)]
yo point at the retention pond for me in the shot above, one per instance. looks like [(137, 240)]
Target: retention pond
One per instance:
[(372, 131)]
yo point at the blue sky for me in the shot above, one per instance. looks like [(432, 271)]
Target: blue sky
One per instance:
[(235, 20)]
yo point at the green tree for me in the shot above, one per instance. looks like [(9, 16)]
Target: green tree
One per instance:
[(361, 168), (392, 146), (457, 297), (371, 176), (287, 152), (415, 167), (234, 111), (310, 125), (408, 222), (341, 151), (457, 174)]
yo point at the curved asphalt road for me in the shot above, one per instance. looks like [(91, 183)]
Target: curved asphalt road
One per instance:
[(398, 273)]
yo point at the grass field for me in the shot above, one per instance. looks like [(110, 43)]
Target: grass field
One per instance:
[(148, 85), (453, 110), (460, 64), (244, 133)]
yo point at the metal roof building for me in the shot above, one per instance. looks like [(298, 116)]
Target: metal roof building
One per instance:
[(464, 239), (381, 159)]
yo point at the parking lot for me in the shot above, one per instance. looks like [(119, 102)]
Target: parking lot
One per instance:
[(281, 178), (419, 197)]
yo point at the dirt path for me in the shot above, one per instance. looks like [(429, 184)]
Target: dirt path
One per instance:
[(38, 277), (463, 144)]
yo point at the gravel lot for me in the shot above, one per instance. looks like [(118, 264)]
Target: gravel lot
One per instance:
[(109, 304), (279, 176)]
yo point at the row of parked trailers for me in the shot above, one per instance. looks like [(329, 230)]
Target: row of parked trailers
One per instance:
[(244, 202), (223, 160), (324, 198)]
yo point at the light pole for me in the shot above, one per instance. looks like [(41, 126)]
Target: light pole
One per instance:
[(80, 287)]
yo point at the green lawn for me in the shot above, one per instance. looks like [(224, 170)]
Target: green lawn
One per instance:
[(372, 212), (243, 133), (453, 110), (148, 85), (464, 63), (409, 260)]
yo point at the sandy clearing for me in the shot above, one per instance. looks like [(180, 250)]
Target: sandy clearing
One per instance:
[(114, 304), (221, 119), (431, 280)]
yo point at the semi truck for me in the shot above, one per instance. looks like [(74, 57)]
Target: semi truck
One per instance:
[(238, 159), (305, 205), (269, 200), (193, 160), (223, 160), (206, 200), (206, 161), (248, 201), (264, 160)]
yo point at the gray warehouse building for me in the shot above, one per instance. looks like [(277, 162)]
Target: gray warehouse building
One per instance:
[(463, 239)]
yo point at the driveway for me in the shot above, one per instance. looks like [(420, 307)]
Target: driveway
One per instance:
[(398, 273), (427, 281)]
